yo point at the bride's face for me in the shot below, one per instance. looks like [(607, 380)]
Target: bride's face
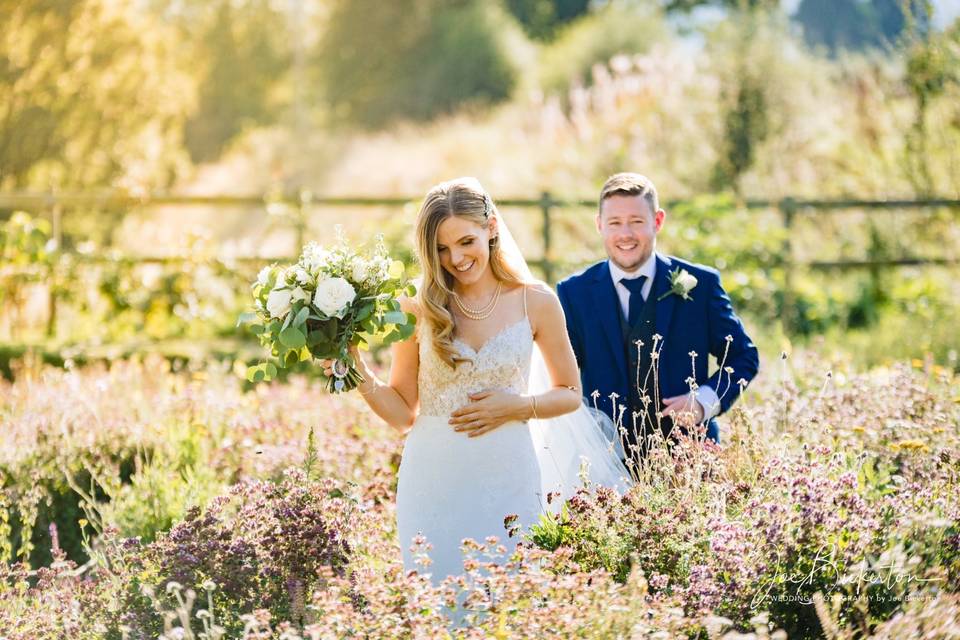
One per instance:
[(464, 247)]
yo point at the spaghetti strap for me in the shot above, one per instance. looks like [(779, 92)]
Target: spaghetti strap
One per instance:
[(524, 301)]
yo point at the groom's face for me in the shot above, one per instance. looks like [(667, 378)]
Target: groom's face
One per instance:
[(629, 230)]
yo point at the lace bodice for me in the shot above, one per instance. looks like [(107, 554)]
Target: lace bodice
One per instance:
[(503, 362)]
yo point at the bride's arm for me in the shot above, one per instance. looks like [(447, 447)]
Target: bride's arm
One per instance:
[(550, 334), (491, 408), (396, 402)]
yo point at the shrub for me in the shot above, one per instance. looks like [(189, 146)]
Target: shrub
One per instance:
[(383, 61)]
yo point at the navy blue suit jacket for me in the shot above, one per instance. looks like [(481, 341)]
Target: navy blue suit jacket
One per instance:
[(702, 325)]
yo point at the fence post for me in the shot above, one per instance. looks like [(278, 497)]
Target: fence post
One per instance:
[(56, 222), (788, 208), (546, 204)]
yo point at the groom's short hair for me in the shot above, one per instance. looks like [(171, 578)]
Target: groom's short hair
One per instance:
[(630, 184)]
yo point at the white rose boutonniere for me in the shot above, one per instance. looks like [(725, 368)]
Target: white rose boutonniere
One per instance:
[(682, 283)]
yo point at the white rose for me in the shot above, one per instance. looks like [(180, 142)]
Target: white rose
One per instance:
[(264, 276), (278, 302), (315, 257), (302, 275), (333, 295), (360, 271), (687, 280)]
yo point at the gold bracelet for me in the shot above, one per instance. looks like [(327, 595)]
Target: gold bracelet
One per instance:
[(533, 407)]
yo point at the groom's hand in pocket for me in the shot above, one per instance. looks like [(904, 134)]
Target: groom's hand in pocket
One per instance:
[(685, 410), (486, 411)]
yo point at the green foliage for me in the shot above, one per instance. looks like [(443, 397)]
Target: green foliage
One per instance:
[(94, 92), (746, 106), (595, 39), (542, 18), (931, 68), (380, 62), (850, 24), (246, 53), (27, 256), (690, 5)]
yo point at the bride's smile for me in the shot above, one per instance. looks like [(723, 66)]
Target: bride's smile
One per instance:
[(464, 250)]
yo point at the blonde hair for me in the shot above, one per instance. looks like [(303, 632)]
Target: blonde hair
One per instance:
[(464, 198)]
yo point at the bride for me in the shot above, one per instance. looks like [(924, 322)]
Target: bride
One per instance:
[(488, 389)]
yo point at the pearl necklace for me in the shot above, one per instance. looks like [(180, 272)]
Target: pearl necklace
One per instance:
[(483, 313)]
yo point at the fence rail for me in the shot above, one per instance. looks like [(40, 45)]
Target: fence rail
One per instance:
[(55, 205)]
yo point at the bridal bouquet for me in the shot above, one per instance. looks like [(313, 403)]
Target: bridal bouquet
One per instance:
[(328, 301)]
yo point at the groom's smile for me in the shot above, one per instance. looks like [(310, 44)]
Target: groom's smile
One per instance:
[(629, 229)]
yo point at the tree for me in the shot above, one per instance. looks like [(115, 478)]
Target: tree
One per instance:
[(91, 93), (852, 24), (932, 61), (690, 5), (243, 55), (380, 61), (542, 18)]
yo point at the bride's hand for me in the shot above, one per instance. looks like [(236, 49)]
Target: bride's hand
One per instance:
[(488, 410), (327, 363)]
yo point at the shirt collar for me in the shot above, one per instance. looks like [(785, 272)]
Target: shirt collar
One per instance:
[(648, 269)]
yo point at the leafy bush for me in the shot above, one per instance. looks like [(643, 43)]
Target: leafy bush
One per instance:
[(263, 544), (755, 526), (617, 28), (384, 61)]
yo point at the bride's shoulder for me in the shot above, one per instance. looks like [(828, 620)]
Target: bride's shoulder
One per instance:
[(542, 303), (539, 292)]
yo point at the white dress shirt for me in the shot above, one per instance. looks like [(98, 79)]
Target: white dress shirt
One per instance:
[(706, 396)]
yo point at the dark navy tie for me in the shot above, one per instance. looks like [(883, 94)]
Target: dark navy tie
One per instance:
[(635, 286)]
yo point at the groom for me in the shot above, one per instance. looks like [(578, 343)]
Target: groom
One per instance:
[(643, 324)]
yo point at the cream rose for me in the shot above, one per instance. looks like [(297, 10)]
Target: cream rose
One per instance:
[(333, 295), (687, 280), (360, 271), (278, 303)]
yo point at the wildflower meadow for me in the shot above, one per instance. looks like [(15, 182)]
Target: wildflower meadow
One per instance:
[(179, 504), (176, 178)]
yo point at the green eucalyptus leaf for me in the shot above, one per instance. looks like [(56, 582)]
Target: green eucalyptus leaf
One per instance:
[(395, 317), (292, 337), (302, 316), (406, 330), (291, 358), (245, 317)]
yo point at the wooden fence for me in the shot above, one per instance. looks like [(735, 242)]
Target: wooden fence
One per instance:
[(56, 205)]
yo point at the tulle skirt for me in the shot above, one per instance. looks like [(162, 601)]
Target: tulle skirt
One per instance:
[(452, 487)]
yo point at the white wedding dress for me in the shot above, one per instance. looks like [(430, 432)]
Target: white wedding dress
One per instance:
[(451, 486)]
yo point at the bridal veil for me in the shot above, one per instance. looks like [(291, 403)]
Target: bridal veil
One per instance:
[(577, 446)]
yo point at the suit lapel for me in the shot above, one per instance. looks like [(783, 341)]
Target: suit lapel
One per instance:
[(607, 307), (661, 285)]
